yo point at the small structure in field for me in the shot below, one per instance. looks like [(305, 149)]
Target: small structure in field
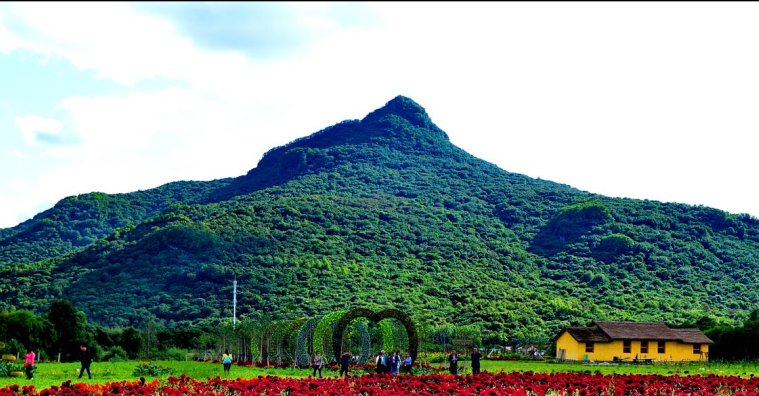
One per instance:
[(636, 342)]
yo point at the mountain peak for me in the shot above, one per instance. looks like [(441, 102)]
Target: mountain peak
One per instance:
[(406, 109), (401, 106), (401, 125)]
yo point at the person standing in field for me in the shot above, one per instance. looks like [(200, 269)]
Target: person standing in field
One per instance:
[(345, 360), (318, 363), (395, 363), (382, 363), (85, 357), (407, 364), (476, 355), (29, 363), (453, 360), (226, 360)]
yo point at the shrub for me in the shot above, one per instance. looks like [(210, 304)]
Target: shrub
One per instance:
[(115, 354), (176, 354), (151, 369)]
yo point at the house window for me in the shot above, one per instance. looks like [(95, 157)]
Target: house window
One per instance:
[(626, 346), (644, 346), (589, 347), (662, 345), (696, 349)]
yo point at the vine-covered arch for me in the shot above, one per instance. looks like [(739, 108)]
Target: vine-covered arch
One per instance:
[(255, 341), (305, 346), (386, 329), (323, 333), (287, 340), (265, 343), (376, 317), (365, 339)]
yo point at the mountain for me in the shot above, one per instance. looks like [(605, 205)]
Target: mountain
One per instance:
[(383, 212), (79, 221)]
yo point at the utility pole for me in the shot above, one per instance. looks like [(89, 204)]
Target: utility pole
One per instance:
[(234, 303)]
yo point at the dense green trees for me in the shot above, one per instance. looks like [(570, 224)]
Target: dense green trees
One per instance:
[(62, 329), (731, 343), (130, 340), (383, 212), (70, 327), (27, 329), (79, 221)]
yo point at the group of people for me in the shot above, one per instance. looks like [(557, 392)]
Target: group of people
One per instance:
[(317, 362), (393, 364), (454, 357), (86, 355)]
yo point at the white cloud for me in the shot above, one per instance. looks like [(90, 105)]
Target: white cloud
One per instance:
[(218, 127), (8, 41), (611, 98), (20, 197), (144, 123), (33, 127), (110, 38)]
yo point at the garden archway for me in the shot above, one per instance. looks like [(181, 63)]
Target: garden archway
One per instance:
[(376, 317)]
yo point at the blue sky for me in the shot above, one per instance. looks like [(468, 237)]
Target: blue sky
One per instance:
[(641, 100)]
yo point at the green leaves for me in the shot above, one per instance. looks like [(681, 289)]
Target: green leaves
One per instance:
[(152, 370)]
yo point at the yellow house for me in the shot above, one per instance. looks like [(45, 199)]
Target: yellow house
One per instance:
[(644, 342)]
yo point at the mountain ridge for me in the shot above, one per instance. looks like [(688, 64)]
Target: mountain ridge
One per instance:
[(384, 126), (386, 211)]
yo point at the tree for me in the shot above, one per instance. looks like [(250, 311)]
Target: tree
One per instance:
[(149, 340), (27, 328), (70, 328), (131, 341)]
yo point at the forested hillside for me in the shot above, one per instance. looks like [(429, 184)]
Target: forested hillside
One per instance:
[(383, 212), (78, 221)]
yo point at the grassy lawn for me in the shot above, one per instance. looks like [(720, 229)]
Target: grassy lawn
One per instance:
[(49, 374), (55, 373), (739, 369)]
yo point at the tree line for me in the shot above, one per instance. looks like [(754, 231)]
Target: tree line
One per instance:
[(731, 343), (57, 334)]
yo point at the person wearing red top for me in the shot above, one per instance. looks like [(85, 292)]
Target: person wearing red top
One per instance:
[(29, 363)]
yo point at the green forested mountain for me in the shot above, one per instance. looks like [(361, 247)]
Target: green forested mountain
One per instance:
[(79, 221), (382, 212)]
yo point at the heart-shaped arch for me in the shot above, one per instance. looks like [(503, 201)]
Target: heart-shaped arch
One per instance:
[(376, 317)]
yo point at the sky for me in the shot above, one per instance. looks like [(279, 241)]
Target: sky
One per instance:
[(642, 100)]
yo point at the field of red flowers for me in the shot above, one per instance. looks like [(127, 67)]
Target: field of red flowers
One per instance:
[(511, 384)]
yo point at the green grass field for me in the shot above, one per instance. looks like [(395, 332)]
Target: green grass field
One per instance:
[(49, 374)]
